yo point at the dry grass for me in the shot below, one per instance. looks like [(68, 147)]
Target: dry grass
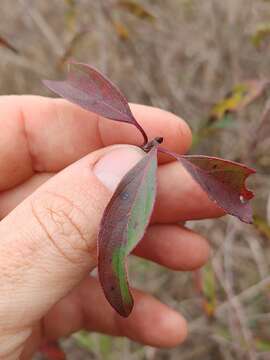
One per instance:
[(184, 61)]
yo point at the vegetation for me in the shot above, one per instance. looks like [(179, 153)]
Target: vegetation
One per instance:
[(207, 61)]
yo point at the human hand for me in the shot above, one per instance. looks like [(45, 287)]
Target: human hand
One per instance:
[(58, 171)]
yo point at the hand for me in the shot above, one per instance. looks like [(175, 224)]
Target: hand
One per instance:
[(58, 170)]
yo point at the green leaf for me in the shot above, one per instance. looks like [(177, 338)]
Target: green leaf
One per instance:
[(261, 33), (209, 290), (83, 339), (105, 345), (121, 30), (136, 9), (263, 345), (239, 97), (262, 226), (123, 225)]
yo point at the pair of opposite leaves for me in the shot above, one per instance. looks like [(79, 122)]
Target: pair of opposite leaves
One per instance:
[(127, 215)]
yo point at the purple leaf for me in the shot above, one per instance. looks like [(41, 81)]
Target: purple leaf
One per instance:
[(122, 227), (88, 88), (128, 212), (222, 180)]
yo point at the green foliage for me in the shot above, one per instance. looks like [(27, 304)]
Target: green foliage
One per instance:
[(262, 226), (261, 34), (209, 290), (83, 339), (136, 9)]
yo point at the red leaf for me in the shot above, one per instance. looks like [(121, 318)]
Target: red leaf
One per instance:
[(91, 90), (122, 227), (52, 351), (222, 180), (127, 214)]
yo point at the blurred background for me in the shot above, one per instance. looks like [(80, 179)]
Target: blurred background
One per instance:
[(208, 62)]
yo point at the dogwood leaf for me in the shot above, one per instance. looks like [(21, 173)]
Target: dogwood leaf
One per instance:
[(222, 180), (122, 227), (88, 88)]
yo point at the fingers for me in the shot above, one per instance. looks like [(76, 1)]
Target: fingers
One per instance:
[(174, 247), (45, 135), (150, 322), (48, 242), (170, 245), (156, 122), (179, 197), (9, 199)]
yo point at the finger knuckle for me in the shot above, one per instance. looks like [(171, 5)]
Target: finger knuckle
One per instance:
[(63, 225)]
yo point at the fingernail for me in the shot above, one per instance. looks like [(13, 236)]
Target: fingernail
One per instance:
[(112, 167)]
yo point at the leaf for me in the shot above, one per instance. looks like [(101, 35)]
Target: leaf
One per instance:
[(122, 227), (238, 98), (261, 34), (7, 44), (84, 340), (70, 14), (136, 9), (262, 226), (121, 30), (209, 290), (205, 283), (222, 180), (71, 47), (225, 122), (89, 89), (52, 351), (222, 115), (262, 345), (105, 345)]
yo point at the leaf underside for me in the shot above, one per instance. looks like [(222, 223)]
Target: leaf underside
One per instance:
[(122, 227), (222, 180), (88, 88)]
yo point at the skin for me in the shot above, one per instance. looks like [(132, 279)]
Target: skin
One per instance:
[(51, 204)]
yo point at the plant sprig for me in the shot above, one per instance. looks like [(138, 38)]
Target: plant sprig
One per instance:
[(128, 213)]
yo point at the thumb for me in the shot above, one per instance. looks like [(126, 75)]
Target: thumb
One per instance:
[(48, 243)]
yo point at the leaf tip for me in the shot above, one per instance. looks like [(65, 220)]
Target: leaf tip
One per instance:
[(126, 310), (247, 219)]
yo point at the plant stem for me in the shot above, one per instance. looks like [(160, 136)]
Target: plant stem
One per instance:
[(148, 146), (145, 137)]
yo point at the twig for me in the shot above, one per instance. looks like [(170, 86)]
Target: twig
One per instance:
[(227, 282), (245, 295), (23, 62), (259, 134), (195, 353), (44, 28), (260, 317), (258, 256), (226, 353), (268, 210)]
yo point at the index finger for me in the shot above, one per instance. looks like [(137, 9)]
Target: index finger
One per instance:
[(39, 134)]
